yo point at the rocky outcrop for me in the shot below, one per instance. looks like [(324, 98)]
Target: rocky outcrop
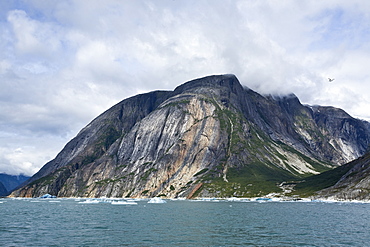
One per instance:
[(353, 183), (208, 137)]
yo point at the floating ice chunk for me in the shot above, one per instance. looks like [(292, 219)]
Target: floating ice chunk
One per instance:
[(263, 199), (178, 199), (276, 199), (206, 199), (316, 200), (156, 200), (89, 201), (47, 196), (236, 199), (123, 203)]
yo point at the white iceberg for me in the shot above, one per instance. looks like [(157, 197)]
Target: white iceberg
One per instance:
[(123, 203), (207, 199), (156, 200), (47, 196), (89, 201)]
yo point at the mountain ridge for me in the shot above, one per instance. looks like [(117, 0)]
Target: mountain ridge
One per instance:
[(208, 137), (10, 182), (3, 190), (354, 184), (345, 183)]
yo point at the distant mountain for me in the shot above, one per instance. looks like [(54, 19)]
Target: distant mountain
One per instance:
[(208, 137), (3, 190), (10, 182)]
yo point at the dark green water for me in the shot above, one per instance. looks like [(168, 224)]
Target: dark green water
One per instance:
[(183, 223)]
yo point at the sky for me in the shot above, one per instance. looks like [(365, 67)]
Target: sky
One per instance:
[(64, 62)]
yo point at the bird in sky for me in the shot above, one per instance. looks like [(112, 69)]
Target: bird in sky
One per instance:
[(330, 79)]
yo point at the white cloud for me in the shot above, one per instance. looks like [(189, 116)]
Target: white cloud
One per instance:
[(21, 155), (4, 66), (33, 37), (64, 62)]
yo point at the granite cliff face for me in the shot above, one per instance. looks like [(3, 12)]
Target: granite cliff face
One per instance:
[(208, 137)]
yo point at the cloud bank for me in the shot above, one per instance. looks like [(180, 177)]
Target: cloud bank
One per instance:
[(64, 62)]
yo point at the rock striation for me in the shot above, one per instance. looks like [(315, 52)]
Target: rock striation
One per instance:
[(208, 137)]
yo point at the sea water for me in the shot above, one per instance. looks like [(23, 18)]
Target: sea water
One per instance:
[(67, 222)]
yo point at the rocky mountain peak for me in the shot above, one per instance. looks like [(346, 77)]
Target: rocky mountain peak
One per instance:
[(227, 82)]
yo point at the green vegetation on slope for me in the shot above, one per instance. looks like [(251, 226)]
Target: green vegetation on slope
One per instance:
[(312, 184), (254, 179)]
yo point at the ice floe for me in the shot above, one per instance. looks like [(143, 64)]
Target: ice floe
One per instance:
[(47, 196), (90, 201), (156, 200), (124, 203)]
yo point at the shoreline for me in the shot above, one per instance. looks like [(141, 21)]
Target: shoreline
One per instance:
[(202, 199)]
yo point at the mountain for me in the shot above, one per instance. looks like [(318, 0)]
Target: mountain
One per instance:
[(348, 182), (3, 190), (209, 137), (10, 182)]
